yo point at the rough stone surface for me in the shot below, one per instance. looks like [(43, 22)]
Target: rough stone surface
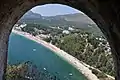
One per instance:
[(105, 13)]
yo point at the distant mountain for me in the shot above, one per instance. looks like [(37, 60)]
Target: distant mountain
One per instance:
[(31, 15), (77, 17), (77, 20)]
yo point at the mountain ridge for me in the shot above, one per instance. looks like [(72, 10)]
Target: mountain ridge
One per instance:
[(75, 17)]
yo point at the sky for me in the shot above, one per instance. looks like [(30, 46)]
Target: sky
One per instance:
[(54, 9)]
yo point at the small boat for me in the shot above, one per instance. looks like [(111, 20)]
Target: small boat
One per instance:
[(34, 49), (44, 68), (70, 74)]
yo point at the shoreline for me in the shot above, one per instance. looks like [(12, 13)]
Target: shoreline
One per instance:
[(80, 66)]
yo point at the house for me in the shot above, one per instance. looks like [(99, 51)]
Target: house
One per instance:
[(70, 28), (65, 32), (23, 25)]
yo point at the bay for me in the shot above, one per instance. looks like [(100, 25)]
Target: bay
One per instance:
[(22, 49)]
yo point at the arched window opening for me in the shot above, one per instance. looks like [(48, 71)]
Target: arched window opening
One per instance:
[(52, 33)]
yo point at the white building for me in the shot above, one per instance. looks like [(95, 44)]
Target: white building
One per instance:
[(42, 36), (70, 28), (65, 32), (23, 25), (16, 25), (19, 26)]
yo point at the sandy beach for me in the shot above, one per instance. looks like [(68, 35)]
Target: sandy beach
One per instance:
[(72, 60)]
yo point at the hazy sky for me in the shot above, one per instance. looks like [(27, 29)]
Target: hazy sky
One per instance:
[(54, 9)]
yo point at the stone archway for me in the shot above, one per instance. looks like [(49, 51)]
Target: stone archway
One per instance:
[(105, 13)]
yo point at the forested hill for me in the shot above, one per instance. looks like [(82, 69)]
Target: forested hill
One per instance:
[(77, 20), (31, 15), (76, 17)]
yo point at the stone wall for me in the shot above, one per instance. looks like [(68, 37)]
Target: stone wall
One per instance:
[(105, 13)]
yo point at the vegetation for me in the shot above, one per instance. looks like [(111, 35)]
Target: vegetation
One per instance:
[(28, 71), (86, 42), (88, 49), (36, 29)]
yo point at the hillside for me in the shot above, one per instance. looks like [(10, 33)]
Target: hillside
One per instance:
[(77, 20), (77, 17), (31, 15)]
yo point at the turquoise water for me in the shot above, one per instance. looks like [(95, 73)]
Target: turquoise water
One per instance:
[(22, 49)]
